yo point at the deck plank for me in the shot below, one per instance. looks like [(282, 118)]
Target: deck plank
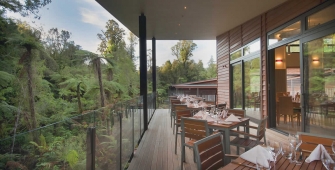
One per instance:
[(156, 150)]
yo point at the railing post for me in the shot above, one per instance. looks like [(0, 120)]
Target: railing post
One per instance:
[(90, 149)]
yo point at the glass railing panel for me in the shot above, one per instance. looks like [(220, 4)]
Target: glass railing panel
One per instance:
[(107, 144), (61, 145), (127, 135)]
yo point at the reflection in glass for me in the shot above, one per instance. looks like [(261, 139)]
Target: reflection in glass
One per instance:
[(237, 86), (319, 73), (285, 33), (235, 55), (255, 46), (252, 80), (321, 17)]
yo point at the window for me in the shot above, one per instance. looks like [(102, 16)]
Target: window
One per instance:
[(289, 31), (321, 17), (235, 55), (253, 47)]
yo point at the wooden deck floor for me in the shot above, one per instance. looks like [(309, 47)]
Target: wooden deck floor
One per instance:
[(156, 150)]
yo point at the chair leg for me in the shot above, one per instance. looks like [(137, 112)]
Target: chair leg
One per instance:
[(237, 150), (194, 155), (175, 143), (174, 127), (182, 157)]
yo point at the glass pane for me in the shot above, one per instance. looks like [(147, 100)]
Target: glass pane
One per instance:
[(237, 86), (321, 17), (256, 46), (319, 81), (252, 80), (285, 33), (235, 55)]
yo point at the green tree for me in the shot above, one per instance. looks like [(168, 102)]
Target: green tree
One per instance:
[(28, 38), (25, 8)]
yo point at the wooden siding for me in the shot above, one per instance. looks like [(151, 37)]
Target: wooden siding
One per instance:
[(245, 33), (222, 46)]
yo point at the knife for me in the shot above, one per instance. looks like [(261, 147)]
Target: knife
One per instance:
[(238, 163)]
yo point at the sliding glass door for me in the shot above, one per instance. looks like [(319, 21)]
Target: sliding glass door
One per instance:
[(319, 85), (237, 86)]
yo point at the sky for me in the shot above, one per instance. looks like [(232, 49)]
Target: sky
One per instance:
[(86, 18)]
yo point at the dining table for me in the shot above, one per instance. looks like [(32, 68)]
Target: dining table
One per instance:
[(281, 164), (226, 128)]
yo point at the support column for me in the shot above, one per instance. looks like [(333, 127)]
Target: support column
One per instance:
[(154, 90), (143, 67)]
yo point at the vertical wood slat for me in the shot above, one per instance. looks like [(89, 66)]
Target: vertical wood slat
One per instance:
[(222, 62)]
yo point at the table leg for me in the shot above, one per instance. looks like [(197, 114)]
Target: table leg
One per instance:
[(227, 145)]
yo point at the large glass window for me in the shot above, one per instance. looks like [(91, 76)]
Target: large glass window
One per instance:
[(237, 86), (321, 17), (319, 85), (289, 31), (235, 55), (253, 47), (252, 87)]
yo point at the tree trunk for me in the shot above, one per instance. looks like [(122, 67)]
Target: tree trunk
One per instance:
[(100, 83), (80, 107), (30, 89), (109, 78)]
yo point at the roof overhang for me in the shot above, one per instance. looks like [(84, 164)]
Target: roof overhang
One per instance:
[(201, 20)]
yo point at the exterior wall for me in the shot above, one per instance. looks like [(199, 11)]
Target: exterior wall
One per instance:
[(243, 34)]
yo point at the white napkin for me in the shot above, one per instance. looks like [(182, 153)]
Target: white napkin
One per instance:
[(183, 100), (316, 154), (209, 118), (232, 118), (259, 152), (190, 105), (200, 114)]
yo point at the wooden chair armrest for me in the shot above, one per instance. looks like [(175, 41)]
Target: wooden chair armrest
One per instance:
[(232, 156), (243, 133), (253, 127)]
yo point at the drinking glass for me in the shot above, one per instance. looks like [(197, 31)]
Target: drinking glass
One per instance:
[(333, 146), (259, 163), (325, 160), (287, 151)]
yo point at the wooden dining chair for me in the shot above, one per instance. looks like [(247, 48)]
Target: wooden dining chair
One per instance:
[(249, 140), (310, 141), (177, 107), (209, 152), (194, 130), (285, 108), (177, 124), (172, 112)]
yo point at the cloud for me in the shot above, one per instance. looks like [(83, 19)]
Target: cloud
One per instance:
[(94, 17)]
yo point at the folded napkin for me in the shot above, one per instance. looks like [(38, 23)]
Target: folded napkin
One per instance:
[(209, 118), (183, 100), (259, 152), (316, 154), (200, 114), (232, 118)]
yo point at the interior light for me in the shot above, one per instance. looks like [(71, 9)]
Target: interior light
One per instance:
[(279, 61), (315, 60), (185, 7), (178, 24)]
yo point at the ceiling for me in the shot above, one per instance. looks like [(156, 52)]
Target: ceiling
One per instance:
[(200, 20)]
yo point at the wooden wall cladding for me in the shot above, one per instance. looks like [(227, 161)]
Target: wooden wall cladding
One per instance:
[(222, 46), (251, 30), (235, 38), (264, 87), (287, 11)]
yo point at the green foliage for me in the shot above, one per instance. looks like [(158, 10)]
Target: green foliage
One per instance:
[(72, 158)]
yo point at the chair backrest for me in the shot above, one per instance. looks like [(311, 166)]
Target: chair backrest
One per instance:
[(236, 112), (178, 107), (195, 129), (279, 94), (310, 141), (285, 105), (209, 152), (261, 128), (221, 106), (173, 102), (182, 113)]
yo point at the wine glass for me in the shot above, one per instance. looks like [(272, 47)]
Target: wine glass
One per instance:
[(260, 162), (275, 148), (325, 160), (333, 146), (287, 151)]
